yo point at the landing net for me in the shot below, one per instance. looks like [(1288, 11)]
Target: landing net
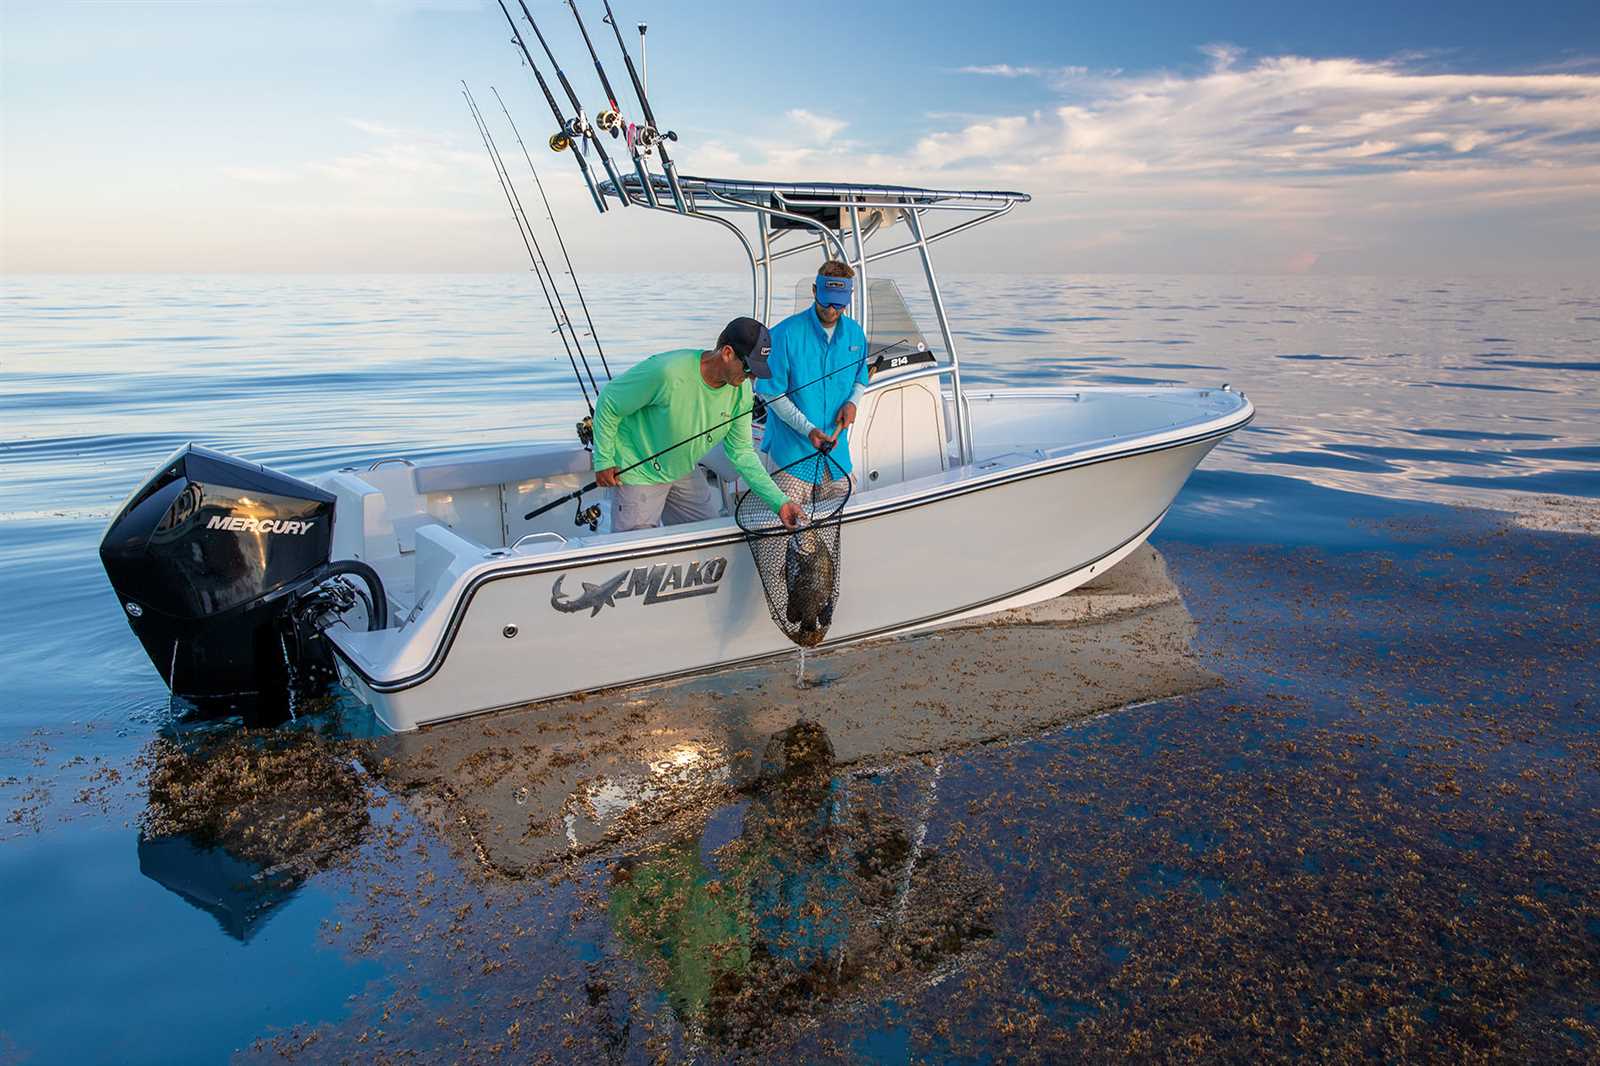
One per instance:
[(799, 568)]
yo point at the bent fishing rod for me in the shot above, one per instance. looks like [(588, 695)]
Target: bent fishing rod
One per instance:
[(551, 215), (653, 136), (611, 120), (568, 131), (524, 229), (591, 486), (581, 122)]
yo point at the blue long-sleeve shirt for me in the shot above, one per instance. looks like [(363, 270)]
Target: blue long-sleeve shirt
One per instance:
[(802, 353)]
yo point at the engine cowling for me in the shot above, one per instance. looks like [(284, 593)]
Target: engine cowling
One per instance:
[(207, 558)]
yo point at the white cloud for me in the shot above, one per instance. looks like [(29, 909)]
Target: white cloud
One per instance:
[(980, 139), (1055, 76), (1223, 56), (1321, 157), (397, 163), (1003, 70), (1288, 118), (821, 128), (1241, 163)]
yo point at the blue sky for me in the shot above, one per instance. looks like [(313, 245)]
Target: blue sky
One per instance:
[(1359, 137)]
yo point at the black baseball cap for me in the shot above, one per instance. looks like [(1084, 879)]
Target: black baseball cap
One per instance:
[(751, 342)]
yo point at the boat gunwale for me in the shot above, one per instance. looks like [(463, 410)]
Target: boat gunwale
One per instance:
[(496, 570)]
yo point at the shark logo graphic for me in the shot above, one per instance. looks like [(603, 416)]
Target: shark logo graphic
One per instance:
[(594, 596), (652, 584)]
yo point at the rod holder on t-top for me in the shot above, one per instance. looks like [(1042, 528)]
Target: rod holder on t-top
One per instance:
[(569, 130), (651, 136), (579, 129), (611, 119)]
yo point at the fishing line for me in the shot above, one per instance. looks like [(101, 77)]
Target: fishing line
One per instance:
[(591, 486), (523, 230), (544, 261), (548, 213)]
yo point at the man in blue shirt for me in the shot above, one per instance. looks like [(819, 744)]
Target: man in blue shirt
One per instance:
[(824, 351)]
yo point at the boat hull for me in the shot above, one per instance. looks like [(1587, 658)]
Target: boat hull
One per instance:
[(537, 630)]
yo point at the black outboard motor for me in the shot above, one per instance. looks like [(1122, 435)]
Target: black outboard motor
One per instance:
[(223, 570)]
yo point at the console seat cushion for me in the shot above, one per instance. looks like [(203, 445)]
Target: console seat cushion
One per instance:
[(503, 467)]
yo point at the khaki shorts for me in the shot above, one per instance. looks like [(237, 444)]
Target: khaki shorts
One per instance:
[(689, 499), (802, 491)]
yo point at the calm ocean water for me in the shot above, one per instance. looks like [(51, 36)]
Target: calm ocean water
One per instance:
[(1381, 400)]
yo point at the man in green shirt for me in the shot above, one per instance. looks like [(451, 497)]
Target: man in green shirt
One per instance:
[(683, 403)]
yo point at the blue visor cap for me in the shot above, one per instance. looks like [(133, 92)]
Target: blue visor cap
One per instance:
[(835, 292)]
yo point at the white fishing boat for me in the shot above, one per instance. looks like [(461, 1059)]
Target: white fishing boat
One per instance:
[(239, 580)]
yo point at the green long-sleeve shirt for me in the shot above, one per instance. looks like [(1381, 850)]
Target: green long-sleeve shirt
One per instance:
[(664, 400)]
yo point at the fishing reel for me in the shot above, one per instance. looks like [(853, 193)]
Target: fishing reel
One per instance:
[(610, 121), (588, 516), (586, 433), (649, 137), (560, 142)]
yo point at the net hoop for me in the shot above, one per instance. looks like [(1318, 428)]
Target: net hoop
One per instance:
[(756, 518), (799, 567)]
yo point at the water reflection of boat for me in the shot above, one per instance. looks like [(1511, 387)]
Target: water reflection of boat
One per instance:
[(236, 820), (535, 786), (826, 892), (239, 894)]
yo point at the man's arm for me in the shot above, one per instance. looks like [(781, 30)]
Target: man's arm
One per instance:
[(636, 388), (742, 454), (791, 415), (776, 387), (846, 416)]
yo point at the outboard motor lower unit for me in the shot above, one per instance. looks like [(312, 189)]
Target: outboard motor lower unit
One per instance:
[(223, 571)]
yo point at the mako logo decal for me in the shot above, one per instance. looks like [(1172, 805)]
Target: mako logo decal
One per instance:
[(654, 584), (238, 524)]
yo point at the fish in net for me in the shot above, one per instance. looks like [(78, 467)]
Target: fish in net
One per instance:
[(799, 567)]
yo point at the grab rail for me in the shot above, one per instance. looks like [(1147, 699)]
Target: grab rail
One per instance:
[(391, 459), (537, 535)]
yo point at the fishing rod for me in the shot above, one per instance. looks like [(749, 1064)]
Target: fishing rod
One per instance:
[(564, 138), (652, 135), (612, 120), (591, 514), (551, 215), (581, 122), (526, 232)]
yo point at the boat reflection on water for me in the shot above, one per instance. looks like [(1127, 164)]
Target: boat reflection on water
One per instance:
[(826, 891), (240, 895), (754, 854), (237, 819), (532, 788)]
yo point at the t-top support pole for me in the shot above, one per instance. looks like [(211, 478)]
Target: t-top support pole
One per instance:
[(963, 431)]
